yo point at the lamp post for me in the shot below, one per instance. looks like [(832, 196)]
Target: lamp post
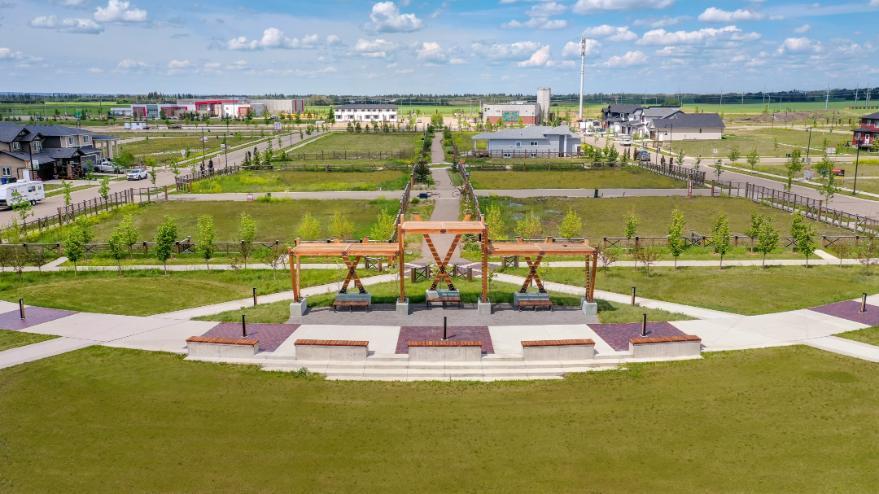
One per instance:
[(809, 148), (857, 159), (202, 145)]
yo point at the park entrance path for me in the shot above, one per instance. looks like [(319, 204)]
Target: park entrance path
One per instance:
[(447, 207)]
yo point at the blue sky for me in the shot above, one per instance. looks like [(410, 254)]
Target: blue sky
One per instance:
[(435, 46)]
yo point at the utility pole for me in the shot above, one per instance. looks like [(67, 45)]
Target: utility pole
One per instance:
[(857, 159), (827, 99), (582, 74)]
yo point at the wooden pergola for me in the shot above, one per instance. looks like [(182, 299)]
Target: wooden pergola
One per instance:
[(350, 252), (456, 228), (534, 252)]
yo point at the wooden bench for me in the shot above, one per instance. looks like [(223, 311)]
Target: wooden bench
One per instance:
[(443, 297), (533, 301), (352, 301)]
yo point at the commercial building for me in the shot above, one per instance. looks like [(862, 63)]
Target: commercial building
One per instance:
[(517, 112), (50, 151), (279, 106), (365, 112), (533, 141), (867, 132), (687, 127)]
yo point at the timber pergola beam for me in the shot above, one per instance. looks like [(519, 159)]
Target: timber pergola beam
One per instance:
[(534, 252), (350, 252), (456, 228)]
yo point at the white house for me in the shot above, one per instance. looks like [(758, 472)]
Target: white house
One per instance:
[(687, 127), (534, 141), (366, 112)]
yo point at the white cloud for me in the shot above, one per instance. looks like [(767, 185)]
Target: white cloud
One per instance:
[(800, 45), (72, 25), (612, 33), (538, 23), (72, 3), (874, 3), (805, 28), (663, 37), (540, 58), (333, 40), (129, 64), (179, 64), (431, 51), (713, 14), (546, 9), (273, 38), (377, 48), (119, 11), (386, 18), (657, 23), (504, 51), (590, 6), (629, 59), (10, 54), (572, 48)]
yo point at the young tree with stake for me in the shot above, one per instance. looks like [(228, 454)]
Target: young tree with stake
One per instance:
[(720, 237), (803, 234), (676, 241), (309, 228), (767, 239), (753, 158), (246, 236), (166, 237), (571, 225), (205, 238)]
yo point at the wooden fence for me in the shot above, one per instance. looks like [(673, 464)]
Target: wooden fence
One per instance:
[(811, 208), (674, 171), (184, 182)]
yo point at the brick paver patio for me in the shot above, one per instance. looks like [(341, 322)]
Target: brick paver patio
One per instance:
[(618, 335), (270, 336), (435, 333), (33, 316), (851, 310)]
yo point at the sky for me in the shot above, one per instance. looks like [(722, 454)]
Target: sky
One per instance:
[(435, 46)]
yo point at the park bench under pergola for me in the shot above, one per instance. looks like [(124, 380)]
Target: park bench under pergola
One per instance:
[(350, 252), (534, 252), (456, 228)]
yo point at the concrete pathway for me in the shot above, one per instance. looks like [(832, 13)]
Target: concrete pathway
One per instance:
[(365, 195), (437, 151), (590, 193), (41, 350), (846, 347)]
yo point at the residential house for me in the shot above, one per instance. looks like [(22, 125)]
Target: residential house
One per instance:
[(534, 141), (687, 127), (640, 124), (50, 151), (619, 118), (867, 132)]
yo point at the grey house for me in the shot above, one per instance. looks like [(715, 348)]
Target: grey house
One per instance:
[(531, 142)]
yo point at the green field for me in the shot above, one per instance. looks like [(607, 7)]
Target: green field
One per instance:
[(302, 181), (743, 290), (777, 142), (79, 421), (607, 217), (275, 220), (869, 335), (617, 178), (363, 143), (15, 339), (140, 293), (160, 146)]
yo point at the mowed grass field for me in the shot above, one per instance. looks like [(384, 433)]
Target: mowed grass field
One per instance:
[(275, 220), (607, 217), (869, 335), (776, 142), (791, 419), (302, 181), (140, 293), (392, 142), (14, 339), (742, 290), (169, 145), (599, 178)]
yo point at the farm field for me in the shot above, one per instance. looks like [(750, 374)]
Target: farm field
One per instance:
[(402, 142), (15, 339), (302, 181), (775, 142), (742, 290), (348, 435), (599, 178), (607, 217), (275, 220), (387, 293), (140, 293)]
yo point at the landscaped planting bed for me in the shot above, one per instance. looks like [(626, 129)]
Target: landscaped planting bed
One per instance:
[(302, 181)]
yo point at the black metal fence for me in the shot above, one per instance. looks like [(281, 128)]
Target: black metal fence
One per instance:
[(675, 171)]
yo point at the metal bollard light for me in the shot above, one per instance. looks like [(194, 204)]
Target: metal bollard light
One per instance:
[(21, 308), (254, 296), (634, 292), (644, 325), (243, 326), (863, 303), (445, 328)]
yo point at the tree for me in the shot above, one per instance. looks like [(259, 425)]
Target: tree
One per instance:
[(767, 239), (803, 234), (66, 189), (753, 158), (571, 225), (116, 244), (309, 227), (824, 167), (631, 226), (383, 228), (104, 190), (341, 227), (718, 169), (246, 235), (793, 166), (331, 115), (828, 188), (74, 245), (720, 238), (128, 231), (166, 236), (22, 206), (529, 226), (494, 220), (676, 241), (205, 238), (734, 154)]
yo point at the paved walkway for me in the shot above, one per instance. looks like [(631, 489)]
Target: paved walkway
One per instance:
[(447, 206), (365, 195), (39, 351), (590, 193), (846, 347)]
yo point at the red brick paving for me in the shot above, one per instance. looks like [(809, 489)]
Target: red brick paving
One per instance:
[(434, 333), (270, 336)]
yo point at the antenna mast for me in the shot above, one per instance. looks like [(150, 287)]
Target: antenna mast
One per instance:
[(582, 74)]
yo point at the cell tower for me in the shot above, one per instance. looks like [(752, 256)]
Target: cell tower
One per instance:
[(582, 74)]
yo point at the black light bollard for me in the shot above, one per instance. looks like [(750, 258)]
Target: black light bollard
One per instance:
[(634, 292), (21, 308), (254, 296), (445, 328), (243, 326), (644, 325), (863, 304)]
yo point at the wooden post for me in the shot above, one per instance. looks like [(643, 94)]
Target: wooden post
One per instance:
[(291, 259), (485, 265), (591, 297), (402, 261)]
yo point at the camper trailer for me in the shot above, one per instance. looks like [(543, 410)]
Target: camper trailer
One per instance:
[(28, 190)]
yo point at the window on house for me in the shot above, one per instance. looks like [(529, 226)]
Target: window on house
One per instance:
[(533, 143), (518, 144), (70, 140), (36, 146), (15, 146), (86, 139), (6, 171)]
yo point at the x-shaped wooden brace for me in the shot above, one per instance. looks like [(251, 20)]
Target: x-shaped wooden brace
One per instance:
[(441, 264), (352, 274), (532, 275)]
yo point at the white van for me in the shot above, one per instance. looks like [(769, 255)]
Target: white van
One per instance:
[(28, 190), (625, 140)]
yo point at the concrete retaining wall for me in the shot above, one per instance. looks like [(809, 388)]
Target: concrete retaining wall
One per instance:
[(221, 350), (559, 352), (690, 346), (331, 352), (445, 353)]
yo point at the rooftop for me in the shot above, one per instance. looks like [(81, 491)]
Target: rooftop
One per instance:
[(367, 106), (531, 132), (689, 121)]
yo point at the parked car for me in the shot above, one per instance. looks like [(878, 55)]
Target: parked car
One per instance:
[(643, 156), (137, 174), (108, 166), (625, 140)]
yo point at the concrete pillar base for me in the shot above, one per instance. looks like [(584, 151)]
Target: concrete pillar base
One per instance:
[(403, 308), (298, 309), (483, 308), (589, 308)]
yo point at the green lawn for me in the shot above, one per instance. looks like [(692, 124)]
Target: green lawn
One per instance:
[(791, 419), (402, 142), (869, 335), (140, 293), (767, 141), (169, 145), (607, 217), (743, 290), (14, 339), (275, 220), (302, 181), (387, 293), (617, 178)]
